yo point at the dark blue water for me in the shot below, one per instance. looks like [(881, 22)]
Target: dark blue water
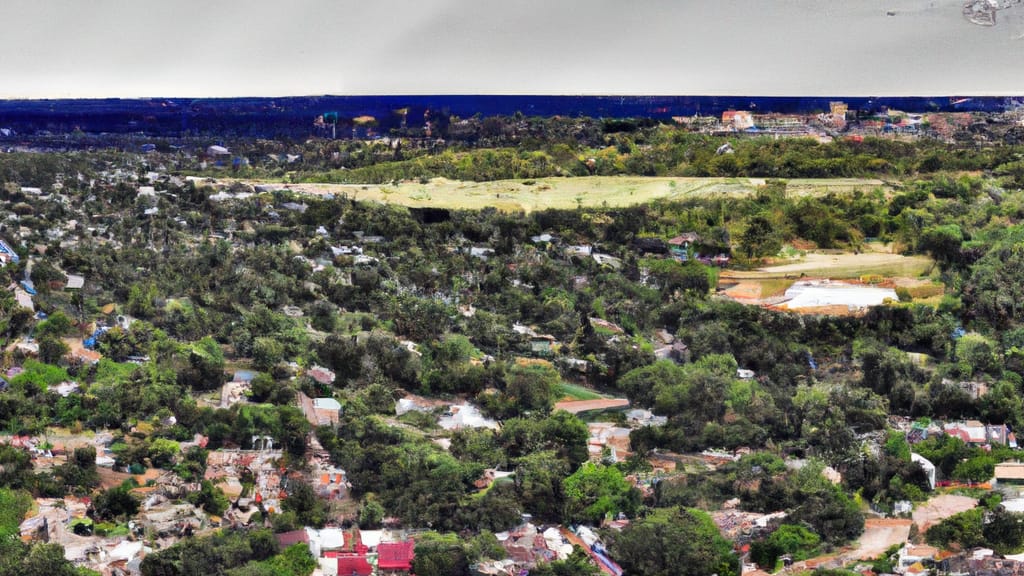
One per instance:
[(293, 117)]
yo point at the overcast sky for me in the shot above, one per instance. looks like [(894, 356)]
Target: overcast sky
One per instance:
[(196, 48)]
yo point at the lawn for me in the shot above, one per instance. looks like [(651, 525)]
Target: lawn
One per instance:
[(567, 391)]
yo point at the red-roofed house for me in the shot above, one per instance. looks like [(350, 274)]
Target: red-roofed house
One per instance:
[(395, 556), (286, 539), (354, 565)]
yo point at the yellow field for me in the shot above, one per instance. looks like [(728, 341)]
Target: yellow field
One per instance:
[(529, 195), (841, 266)]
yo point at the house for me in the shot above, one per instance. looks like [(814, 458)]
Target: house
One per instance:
[(286, 539), (685, 239), (75, 282), (395, 556), (1010, 473), (327, 410), (331, 483), (6, 249), (542, 344), (911, 556), (353, 564), (974, 433)]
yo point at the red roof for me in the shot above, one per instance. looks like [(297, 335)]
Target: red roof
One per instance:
[(353, 565), (395, 555), (286, 539)]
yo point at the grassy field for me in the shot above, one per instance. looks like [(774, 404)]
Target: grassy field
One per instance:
[(529, 195), (567, 391)]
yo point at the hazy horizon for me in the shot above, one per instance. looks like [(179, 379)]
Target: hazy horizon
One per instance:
[(234, 48)]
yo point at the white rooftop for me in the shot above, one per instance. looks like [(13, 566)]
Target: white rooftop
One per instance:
[(326, 403)]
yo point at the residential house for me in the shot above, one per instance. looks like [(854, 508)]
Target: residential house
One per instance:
[(1010, 473), (331, 483), (9, 252), (911, 556), (974, 433), (542, 344), (286, 539), (74, 282), (685, 239), (395, 557), (353, 564), (320, 411)]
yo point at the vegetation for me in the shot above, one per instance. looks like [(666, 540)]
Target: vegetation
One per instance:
[(508, 310)]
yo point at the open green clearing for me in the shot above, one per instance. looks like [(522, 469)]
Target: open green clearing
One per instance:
[(585, 191), (567, 391)]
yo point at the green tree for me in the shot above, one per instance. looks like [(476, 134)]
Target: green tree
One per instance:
[(595, 491), (116, 503), (52, 350), (674, 542), (266, 353), (440, 555), (760, 239), (303, 501)]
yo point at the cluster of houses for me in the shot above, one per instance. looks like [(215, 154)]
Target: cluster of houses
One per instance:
[(839, 119), (972, 432), (354, 552)]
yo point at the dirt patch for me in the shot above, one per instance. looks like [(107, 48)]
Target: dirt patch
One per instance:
[(853, 265), (879, 535), (941, 507), (110, 479), (577, 406), (744, 291)]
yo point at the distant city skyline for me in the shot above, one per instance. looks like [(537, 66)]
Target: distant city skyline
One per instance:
[(193, 48)]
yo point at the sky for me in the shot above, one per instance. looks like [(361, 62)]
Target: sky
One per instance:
[(203, 48)]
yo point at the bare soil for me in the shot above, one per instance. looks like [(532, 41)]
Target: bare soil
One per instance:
[(941, 507), (577, 406)]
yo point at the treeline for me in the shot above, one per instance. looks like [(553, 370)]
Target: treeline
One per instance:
[(658, 151)]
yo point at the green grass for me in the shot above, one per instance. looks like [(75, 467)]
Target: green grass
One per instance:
[(567, 391)]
